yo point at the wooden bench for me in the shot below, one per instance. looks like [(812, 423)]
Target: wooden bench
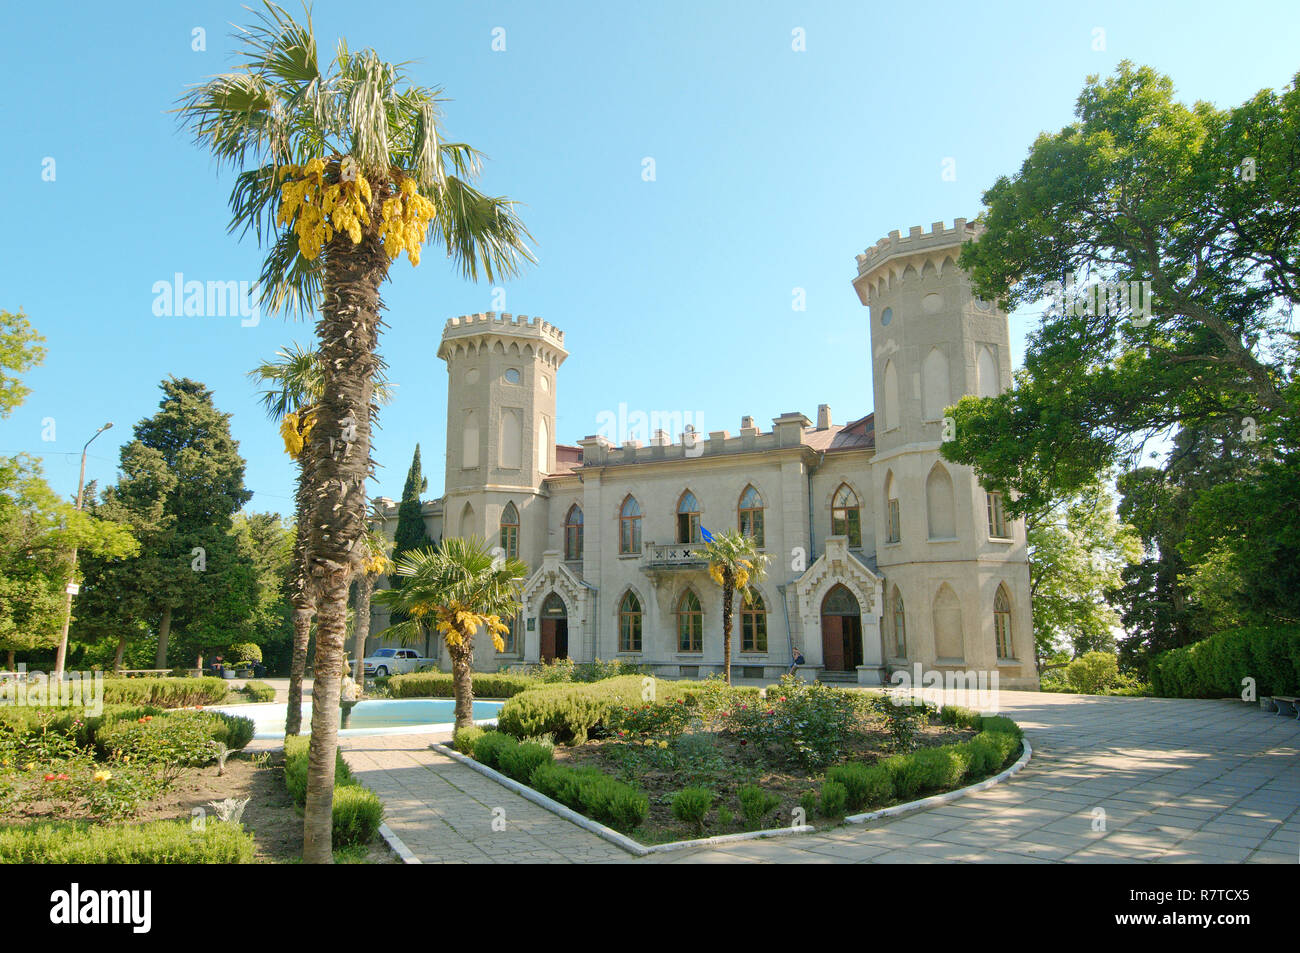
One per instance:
[(1285, 701)]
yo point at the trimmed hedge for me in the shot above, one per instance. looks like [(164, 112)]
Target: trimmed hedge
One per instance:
[(358, 811), (463, 739), (168, 732), (157, 842), (165, 692), (441, 685), (569, 710), (1215, 667), (594, 794), (258, 692)]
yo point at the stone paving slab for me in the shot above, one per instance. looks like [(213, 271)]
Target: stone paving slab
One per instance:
[(1112, 780)]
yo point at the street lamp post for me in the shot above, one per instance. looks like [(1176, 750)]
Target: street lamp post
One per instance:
[(71, 588)]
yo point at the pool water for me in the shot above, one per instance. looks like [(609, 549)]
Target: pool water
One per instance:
[(379, 717)]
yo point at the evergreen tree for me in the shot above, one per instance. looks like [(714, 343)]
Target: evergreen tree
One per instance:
[(182, 484), (410, 533)]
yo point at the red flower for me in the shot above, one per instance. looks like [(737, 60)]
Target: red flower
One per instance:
[(743, 742), (51, 777)]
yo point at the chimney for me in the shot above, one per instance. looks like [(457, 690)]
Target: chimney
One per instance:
[(746, 423), (823, 416)]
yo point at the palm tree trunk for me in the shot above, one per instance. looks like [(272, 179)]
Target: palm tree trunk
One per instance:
[(164, 632), (361, 626), (297, 669), (462, 680), (726, 632), (304, 605), (339, 455)]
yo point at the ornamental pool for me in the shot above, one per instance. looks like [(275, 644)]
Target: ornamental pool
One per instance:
[(379, 717)]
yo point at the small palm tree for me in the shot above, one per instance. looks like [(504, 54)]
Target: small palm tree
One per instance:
[(462, 587), (375, 563), (735, 564), (296, 381), (339, 171)]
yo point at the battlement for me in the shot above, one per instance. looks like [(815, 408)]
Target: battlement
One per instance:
[(490, 322), (917, 240)]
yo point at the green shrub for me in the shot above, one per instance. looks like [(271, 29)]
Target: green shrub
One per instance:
[(464, 738), (866, 785), (489, 748), (440, 685), (834, 799), (357, 814), (809, 802), (691, 806), (983, 757), (259, 692), (183, 737), (1005, 743), (1093, 672), (594, 794), (756, 804), (568, 711), (1002, 724), (960, 717), (296, 748), (157, 842), (165, 692), (519, 761), (1215, 667), (243, 652)]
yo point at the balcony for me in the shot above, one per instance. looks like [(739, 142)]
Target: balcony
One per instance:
[(658, 556)]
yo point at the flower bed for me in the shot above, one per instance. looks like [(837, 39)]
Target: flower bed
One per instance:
[(703, 759)]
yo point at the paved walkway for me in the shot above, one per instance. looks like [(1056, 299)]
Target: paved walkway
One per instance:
[(1112, 780)]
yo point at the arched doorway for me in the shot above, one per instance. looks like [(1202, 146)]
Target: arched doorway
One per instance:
[(555, 629), (841, 631)]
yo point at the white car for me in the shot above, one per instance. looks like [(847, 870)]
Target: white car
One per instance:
[(395, 662)]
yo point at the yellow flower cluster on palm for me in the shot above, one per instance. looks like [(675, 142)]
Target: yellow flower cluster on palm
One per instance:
[(376, 564), (322, 208), (406, 217), (458, 624), (741, 579), (319, 208), (294, 430)]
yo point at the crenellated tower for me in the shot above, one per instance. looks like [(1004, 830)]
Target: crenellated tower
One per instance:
[(947, 556)]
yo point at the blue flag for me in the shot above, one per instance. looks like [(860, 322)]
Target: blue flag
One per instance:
[(708, 537)]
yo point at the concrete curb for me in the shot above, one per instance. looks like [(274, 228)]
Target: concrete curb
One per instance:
[(937, 799), (398, 847)]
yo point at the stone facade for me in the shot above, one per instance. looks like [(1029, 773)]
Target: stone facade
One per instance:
[(882, 554)]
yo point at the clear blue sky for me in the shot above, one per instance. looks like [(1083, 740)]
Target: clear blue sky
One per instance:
[(774, 169)]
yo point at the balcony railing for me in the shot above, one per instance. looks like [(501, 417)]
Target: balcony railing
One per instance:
[(674, 556)]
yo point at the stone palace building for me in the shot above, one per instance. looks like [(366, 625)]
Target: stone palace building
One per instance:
[(883, 555)]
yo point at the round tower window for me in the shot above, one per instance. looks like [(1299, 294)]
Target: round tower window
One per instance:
[(512, 375), (546, 385), (931, 303), (886, 316)]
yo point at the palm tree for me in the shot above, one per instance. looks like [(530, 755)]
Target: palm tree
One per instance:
[(340, 170), (735, 564), (462, 586), (375, 564), (296, 378)]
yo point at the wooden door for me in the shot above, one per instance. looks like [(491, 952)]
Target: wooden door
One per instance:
[(833, 643), (548, 640)]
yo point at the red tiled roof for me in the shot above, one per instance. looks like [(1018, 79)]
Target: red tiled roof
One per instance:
[(858, 434)]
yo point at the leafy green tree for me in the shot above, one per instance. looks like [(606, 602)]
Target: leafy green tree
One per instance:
[(38, 532), (20, 351), (461, 587), (340, 170), (1076, 555), (1140, 188), (182, 483)]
